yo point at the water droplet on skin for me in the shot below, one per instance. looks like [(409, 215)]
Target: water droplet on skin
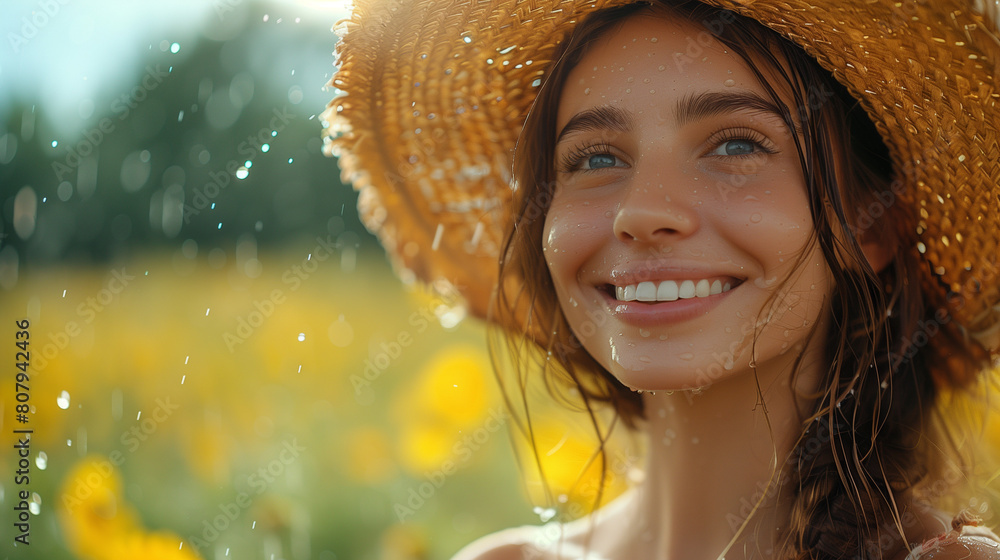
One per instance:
[(643, 333), (686, 356), (728, 365), (609, 214), (729, 83), (663, 337), (661, 68), (573, 302), (755, 218), (645, 359), (729, 329), (586, 91)]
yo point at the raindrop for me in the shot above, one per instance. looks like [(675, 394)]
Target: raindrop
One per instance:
[(265, 148), (545, 514), (302, 336), (63, 400), (175, 48), (42, 460), (35, 507), (55, 143)]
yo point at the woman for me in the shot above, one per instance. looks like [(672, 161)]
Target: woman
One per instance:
[(708, 237)]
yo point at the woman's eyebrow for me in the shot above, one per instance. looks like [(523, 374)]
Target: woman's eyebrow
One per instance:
[(710, 103), (605, 117)]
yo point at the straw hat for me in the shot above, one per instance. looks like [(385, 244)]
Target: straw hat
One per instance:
[(432, 95)]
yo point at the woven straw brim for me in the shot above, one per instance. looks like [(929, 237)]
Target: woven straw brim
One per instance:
[(432, 96)]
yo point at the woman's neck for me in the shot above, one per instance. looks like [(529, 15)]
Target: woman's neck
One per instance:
[(716, 462)]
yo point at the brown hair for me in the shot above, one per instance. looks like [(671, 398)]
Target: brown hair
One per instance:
[(876, 400)]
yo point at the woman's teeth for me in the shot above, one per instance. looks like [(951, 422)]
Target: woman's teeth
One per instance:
[(669, 290)]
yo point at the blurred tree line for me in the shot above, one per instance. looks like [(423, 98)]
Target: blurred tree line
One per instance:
[(210, 146)]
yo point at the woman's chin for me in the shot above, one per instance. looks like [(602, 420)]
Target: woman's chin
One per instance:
[(652, 379)]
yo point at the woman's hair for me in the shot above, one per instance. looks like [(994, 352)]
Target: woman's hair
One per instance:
[(864, 444)]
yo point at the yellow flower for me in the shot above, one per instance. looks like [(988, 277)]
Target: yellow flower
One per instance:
[(100, 525), (449, 397)]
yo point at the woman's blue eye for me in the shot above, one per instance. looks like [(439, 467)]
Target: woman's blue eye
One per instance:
[(738, 147), (598, 161)]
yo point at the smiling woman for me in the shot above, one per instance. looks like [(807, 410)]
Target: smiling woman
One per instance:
[(691, 245)]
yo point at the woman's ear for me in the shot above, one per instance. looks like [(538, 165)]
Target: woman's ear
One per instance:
[(880, 240), (878, 249)]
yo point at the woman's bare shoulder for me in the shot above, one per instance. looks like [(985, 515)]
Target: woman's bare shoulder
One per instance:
[(509, 544), (965, 547), (968, 543), (554, 540)]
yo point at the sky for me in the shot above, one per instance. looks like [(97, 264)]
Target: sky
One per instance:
[(66, 54)]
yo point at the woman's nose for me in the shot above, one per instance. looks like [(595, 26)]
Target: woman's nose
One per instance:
[(648, 213)]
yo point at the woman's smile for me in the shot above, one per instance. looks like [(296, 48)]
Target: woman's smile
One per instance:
[(679, 225)]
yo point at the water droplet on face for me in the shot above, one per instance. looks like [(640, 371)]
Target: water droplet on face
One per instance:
[(643, 333), (573, 302), (645, 359), (686, 356), (586, 91), (729, 83), (609, 214), (755, 218), (728, 365), (729, 330), (663, 337)]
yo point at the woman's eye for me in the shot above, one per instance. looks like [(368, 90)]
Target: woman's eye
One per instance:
[(598, 161), (739, 147)]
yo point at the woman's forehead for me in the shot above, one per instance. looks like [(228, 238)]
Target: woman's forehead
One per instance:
[(653, 62)]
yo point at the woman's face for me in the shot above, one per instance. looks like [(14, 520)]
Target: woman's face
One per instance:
[(679, 210)]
